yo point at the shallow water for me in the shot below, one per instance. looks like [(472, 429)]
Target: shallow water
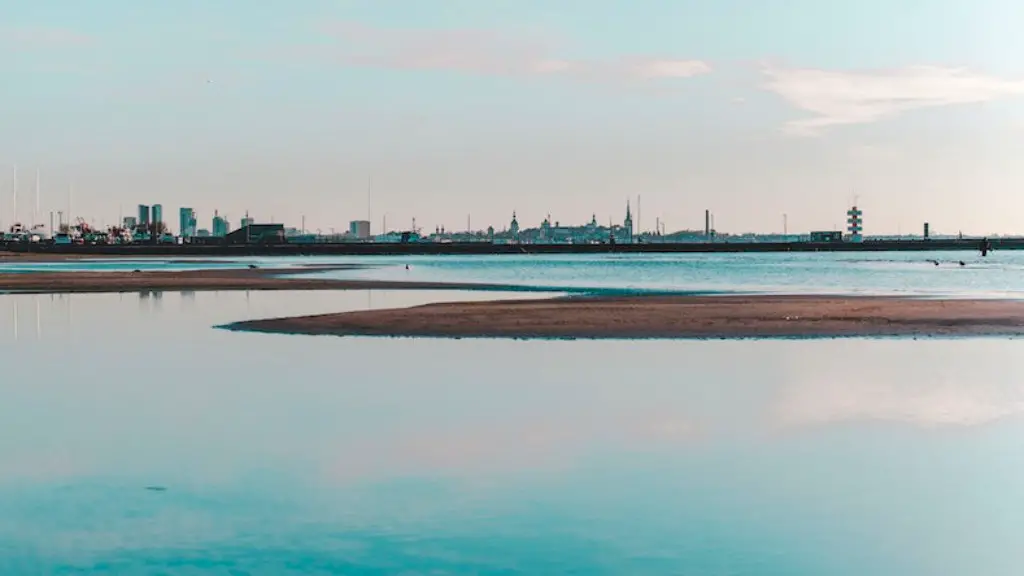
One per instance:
[(320, 455), (1000, 275), (119, 265)]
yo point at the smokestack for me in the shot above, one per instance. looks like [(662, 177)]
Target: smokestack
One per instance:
[(707, 223)]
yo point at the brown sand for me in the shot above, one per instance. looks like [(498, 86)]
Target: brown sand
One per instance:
[(670, 317), (237, 279), (41, 257), (28, 257)]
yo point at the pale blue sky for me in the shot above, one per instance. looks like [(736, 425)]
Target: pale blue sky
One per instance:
[(752, 108)]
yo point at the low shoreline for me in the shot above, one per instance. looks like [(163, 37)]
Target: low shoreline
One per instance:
[(668, 317), (701, 245), (579, 315)]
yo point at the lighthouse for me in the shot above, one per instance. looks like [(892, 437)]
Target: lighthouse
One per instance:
[(854, 223)]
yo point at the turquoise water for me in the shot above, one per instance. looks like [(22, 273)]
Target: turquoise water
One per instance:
[(998, 275), (305, 455), (119, 265)]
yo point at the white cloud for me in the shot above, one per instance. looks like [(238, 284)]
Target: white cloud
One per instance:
[(488, 53), (839, 98), (936, 402), (671, 68)]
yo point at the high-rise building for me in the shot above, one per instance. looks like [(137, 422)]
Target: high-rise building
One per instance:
[(359, 229), (220, 226), (187, 222), (144, 215), (158, 214)]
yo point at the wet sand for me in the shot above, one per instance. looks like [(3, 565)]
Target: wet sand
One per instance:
[(28, 257), (209, 280), (669, 317), (46, 258)]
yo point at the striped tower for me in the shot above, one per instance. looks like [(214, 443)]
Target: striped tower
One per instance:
[(855, 223)]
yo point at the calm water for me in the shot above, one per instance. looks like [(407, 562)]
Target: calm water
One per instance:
[(306, 455), (1001, 274)]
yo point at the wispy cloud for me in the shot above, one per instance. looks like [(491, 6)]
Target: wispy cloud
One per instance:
[(841, 98), (486, 52), (37, 37)]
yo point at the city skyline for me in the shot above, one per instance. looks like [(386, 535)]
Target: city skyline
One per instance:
[(458, 108), (41, 213)]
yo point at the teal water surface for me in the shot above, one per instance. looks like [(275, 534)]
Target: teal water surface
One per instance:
[(1000, 275), (137, 439)]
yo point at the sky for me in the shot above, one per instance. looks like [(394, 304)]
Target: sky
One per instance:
[(458, 113)]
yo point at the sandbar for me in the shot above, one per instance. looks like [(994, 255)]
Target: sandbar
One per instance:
[(29, 257), (636, 317), (208, 280)]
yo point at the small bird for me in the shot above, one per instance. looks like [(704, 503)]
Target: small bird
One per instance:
[(962, 263)]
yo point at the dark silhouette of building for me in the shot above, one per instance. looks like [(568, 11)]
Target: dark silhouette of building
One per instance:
[(257, 234)]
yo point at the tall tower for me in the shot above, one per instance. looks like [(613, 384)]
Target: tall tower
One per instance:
[(627, 224), (854, 223)]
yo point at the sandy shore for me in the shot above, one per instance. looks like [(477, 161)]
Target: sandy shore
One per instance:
[(670, 317), (28, 257), (236, 279)]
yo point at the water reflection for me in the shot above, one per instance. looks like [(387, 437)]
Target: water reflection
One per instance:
[(957, 383), (305, 454)]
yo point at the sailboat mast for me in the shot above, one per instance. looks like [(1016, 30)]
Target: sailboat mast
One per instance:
[(71, 192), (14, 193), (35, 212)]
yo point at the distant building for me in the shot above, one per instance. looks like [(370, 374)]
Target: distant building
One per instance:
[(257, 234), (247, 221), (144, 215), (187, 222), (827, 236), (627, 226), (220, 226), (158, 214), (359, 229), (202, 233), (855, 223), (130, 223)]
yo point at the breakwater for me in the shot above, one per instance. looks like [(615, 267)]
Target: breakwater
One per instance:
[(485, 248)]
